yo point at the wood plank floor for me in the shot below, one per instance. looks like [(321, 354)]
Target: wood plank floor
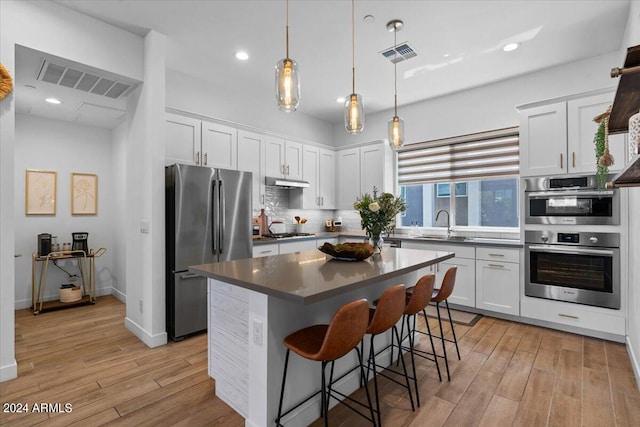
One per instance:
[(510, 374)]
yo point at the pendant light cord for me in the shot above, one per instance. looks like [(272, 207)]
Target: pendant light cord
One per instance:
[(353, 46), (287, 29), (395, 76)]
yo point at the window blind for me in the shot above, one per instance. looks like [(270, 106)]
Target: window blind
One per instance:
[(473, 156)]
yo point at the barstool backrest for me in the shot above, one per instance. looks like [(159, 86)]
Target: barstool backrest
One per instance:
[(346, 330), (421, 295), (446, 288), (388, 310)]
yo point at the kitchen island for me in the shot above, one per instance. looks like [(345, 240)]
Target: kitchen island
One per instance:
[(254, 303)]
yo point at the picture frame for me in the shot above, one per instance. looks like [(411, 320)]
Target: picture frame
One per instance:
[(84, 193), (40, 192)]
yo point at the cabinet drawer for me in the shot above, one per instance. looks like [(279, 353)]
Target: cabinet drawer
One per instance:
[(498, 254), (265, 250), (573, 315), (461, 251)]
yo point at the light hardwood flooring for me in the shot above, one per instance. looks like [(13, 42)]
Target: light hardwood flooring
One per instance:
[(510, 374)]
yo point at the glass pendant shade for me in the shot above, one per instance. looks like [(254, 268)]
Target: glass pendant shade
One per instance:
[(287, 85), (396, 132), (354, 113)]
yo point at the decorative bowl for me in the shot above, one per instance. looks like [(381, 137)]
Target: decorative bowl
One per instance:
[(348, 251)]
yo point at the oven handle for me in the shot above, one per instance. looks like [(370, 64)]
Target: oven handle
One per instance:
[(572, 251), (570, 194)]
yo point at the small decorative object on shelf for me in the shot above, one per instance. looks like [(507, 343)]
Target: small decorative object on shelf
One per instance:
[(378, 215), (634, 135), (604, 159)]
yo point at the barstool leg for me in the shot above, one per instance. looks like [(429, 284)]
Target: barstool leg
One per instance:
[(433, 347), (284, 378), (455, 340), (366, 389), (323, 393), (413, 360), (372, 361), (444, 349), (404, 367)]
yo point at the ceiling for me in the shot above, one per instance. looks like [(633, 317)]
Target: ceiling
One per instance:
[(458, 43)]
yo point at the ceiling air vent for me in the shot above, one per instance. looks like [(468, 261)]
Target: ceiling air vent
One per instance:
[(81, 80), (399, 53)]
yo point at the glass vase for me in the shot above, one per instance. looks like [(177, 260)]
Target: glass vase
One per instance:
[(376, 242)]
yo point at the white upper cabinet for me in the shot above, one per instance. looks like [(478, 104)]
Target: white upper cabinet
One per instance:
[(284, 159), (318, 169), (582, 130), (348, 185), (543, 140), (327, 179), (219, 146), (359, 170), (251, 158), (182, 139), (558, 137)]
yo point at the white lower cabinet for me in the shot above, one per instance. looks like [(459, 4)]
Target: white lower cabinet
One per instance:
[(297, 246), (580, 316), (498, 280), (464, 291), (265, 250)]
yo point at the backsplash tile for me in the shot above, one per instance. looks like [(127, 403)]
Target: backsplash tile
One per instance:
[(277, 209)]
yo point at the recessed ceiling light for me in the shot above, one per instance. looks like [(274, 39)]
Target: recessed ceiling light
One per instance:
[(510, 46), (340, 100), (30, 86), (369, 19), (242, 55), (53, 101)]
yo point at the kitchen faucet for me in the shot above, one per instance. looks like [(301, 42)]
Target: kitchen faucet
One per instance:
[(448, 221)]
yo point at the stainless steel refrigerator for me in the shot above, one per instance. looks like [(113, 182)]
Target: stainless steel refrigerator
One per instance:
[(208, 219)]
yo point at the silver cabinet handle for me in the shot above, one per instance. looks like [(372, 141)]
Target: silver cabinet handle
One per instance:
[(499, 255), (188, 276), (198, 158), (322, 201), (561, 161), (205, 158), (266, 252), (568, 316), (287, 169), (573, 155), (496, 265)]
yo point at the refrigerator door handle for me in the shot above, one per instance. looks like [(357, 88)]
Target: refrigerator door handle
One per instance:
[(222, 216), (214, 219)]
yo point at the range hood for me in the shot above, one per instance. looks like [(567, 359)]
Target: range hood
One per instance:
[(285, 183)]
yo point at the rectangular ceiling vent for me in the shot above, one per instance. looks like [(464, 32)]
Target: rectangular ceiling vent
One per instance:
[(398, 53), (81, 80)]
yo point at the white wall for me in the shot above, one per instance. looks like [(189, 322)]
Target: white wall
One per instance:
[(119, 253), (197, 96), (65, 148), (487, 107), (54, 29)]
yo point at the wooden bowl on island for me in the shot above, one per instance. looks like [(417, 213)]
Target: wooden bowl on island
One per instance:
[(348, 251)]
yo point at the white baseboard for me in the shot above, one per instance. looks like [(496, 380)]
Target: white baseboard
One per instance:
[(151, 341), (634, 362), (100, 292), (9, 372)]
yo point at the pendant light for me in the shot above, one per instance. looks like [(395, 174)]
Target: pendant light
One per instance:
[(353, 107), (287, 79), (396, 124)]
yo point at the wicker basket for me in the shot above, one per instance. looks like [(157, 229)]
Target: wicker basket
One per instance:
[(71, 294)]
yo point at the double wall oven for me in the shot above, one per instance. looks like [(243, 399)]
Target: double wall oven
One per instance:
[(566, 261)]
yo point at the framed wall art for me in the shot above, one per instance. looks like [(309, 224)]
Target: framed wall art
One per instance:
[(84, 194), (40, 192)]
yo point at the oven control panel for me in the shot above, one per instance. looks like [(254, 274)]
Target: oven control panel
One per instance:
[(547, 237), (569, 238)]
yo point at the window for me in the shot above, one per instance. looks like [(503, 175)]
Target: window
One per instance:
[(474, 178)]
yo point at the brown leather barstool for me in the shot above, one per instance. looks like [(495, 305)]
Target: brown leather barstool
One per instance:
[(417, 298), (326, 344), (388, 311), (439, 295)]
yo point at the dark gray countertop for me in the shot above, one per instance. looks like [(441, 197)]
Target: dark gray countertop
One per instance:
[(311, 276)]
